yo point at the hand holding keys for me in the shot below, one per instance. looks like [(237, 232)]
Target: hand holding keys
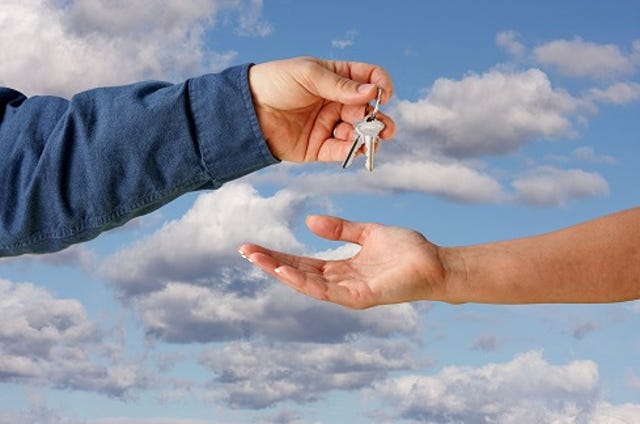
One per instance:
[(365, 132)]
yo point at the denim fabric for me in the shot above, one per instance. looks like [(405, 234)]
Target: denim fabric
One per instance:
[(70, 169)]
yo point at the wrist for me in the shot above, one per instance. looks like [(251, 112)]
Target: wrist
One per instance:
[(272, 122), (454, 287)]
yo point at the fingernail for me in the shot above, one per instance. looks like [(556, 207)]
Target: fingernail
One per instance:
[(278, 270), (365, 88), (244, 255)]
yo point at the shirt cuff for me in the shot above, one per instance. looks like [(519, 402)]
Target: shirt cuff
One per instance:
[(228, 134)]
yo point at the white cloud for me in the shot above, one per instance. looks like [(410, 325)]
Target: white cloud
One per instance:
[(490, 114), (619, 93), (49, 341), (202, 244), (588, 154), (347, 40), (188, 283), (525, 389), (579, 58), (258, 375), (508, 40), (452, 179), (48, 46), (250, 22), (32, 322), (74, 256), (607, 413), (342, 252), (184, 313), (549, 186)]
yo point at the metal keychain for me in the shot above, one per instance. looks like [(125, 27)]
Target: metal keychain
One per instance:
[(366, 132)]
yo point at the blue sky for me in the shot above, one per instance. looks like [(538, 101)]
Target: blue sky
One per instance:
[(513, 119)]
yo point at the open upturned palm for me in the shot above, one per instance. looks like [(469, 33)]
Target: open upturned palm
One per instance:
[(393, 265)]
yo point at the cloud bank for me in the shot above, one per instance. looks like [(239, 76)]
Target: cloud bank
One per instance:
[(49, 341), (68, 46), (525, 389)]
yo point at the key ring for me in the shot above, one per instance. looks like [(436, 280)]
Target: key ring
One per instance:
[(376, 107)]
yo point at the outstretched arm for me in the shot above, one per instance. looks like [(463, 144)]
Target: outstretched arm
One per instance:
[(71, 169), (597, 261)]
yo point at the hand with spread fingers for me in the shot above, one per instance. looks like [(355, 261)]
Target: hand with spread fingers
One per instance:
[(393, 265)]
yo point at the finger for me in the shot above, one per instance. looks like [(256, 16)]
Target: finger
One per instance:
[(334, 149), (343, 131), (268, 259), (334, 228), (349, 82), (321, 290), (365, 73), (334, 87), (299, 281), (389, 126)]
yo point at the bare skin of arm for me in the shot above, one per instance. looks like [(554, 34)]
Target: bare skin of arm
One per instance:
[(594, 262)]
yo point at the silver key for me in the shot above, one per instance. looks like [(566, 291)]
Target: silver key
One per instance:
[(365, 132)]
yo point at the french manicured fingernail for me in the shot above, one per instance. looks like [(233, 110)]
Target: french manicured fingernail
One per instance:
[(244, 255), (365, 88)]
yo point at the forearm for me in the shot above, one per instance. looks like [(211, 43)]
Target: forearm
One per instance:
[(597, 261), (72, 169)]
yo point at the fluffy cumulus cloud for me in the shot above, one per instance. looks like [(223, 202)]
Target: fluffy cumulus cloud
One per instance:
[(255, 376), (509, 41), (525, 389), (579, 58), (68, 46), (455, 180), (549, 186), (494, 113), (74, 256), (618, 93), (202, 244), (51, 341), (185, 312), (187, 284)]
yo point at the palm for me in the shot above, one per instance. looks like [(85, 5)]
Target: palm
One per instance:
[(394, 265), (388, 269)]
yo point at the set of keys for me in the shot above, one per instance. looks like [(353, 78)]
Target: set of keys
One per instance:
[(366, 133)]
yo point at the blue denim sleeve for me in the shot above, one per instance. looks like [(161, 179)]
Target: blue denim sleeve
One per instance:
[(71, 169)]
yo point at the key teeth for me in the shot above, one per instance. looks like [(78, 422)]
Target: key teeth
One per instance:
[(369, 164), (366, 133)]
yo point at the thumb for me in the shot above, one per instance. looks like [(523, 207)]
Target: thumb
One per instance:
[(334, 228), (332, 86)]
